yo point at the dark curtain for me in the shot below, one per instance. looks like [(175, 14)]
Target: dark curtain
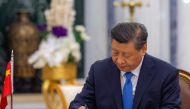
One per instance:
[(79, 8)]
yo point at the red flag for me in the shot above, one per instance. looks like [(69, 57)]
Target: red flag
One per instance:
[(7, 87)]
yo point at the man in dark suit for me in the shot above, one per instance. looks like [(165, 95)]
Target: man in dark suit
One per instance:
[(131, 79)]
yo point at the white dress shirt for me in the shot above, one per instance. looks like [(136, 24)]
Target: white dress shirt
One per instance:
[(134, 78)]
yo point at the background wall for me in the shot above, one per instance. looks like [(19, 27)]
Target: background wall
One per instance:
[(96, 24), (168, 39), (183, 55), (156, 18), (99, 19)]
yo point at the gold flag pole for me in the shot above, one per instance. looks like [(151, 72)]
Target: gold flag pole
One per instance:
[(12, 68)]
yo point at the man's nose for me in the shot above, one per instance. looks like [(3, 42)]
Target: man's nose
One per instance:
[(120, 60)]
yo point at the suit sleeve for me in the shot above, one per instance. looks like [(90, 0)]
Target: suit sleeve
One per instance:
[(171, 92), (87, 96)]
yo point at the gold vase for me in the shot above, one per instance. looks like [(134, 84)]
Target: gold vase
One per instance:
[(24, 40), (50, 75), (65, 71)]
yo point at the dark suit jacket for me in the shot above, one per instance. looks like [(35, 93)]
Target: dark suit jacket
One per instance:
[(157, 87)]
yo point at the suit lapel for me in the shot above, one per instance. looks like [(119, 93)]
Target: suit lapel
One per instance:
[(144, 80), (115, 85)]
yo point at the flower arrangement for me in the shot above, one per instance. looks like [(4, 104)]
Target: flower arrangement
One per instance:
[(61, 41)]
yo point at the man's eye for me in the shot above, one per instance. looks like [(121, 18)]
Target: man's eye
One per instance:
[(125, 55), (115, 53)]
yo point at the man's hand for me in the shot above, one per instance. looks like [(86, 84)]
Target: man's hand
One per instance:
[(82, 107)]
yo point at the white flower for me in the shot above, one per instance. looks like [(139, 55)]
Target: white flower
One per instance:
[(74, 46), (80, 28), (77, 55), (82, 31), (85, 37), (37, 59), (40, 64)]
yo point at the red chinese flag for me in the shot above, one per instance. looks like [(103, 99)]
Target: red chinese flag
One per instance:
[(7, 87)]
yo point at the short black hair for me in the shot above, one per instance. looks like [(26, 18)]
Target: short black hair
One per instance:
[(130, 31)]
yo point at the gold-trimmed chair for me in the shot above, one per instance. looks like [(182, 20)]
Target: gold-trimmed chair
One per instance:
[(184, 82), (59, 96)]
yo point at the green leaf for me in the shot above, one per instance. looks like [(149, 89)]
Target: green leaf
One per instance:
[(71, 58), (78, 36)]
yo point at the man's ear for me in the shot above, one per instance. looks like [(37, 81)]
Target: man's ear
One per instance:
[(144, 49)]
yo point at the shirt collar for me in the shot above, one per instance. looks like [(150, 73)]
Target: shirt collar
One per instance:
[(136, 71)]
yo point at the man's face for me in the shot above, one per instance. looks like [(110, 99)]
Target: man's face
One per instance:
[(126, 56)]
